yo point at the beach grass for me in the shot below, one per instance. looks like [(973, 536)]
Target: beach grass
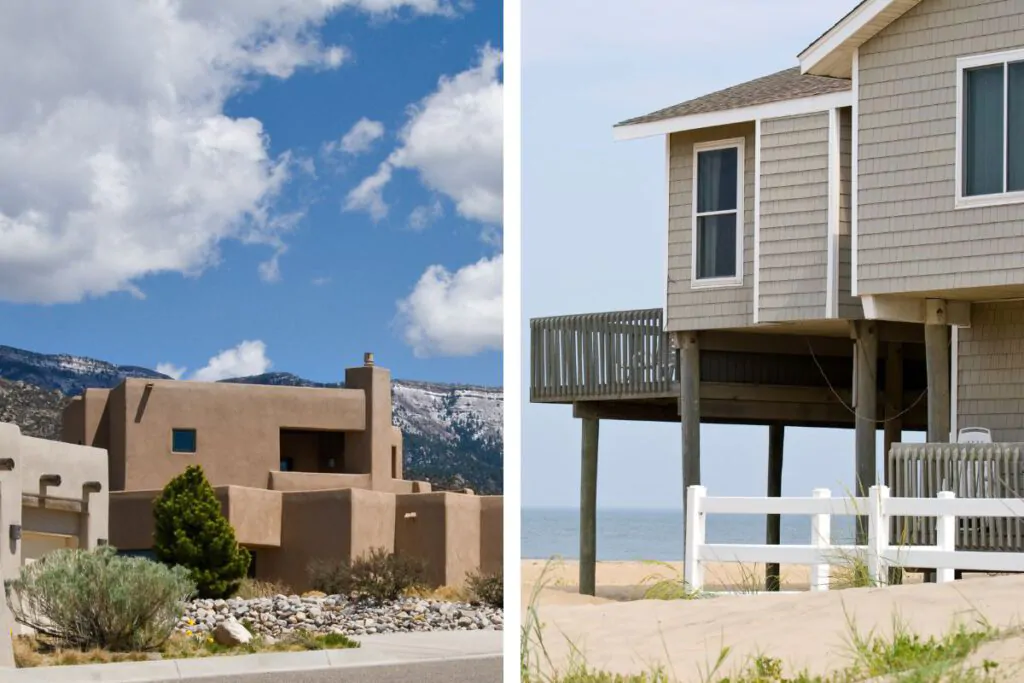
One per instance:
[(899, 656)]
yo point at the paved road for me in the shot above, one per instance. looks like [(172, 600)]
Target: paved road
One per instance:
[(484, 669)]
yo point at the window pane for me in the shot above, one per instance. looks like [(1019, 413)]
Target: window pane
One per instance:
[(716, 180), (983, 131), (716, 246), (1015, 129), (183, 440)]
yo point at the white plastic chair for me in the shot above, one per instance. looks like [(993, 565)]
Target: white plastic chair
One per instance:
[(974, 435)]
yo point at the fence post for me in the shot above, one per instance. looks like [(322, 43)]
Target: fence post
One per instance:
[(693, 569), (946, 537), (821, 537), (878, 534)]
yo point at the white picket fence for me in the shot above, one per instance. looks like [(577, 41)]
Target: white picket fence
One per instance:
[(820, 554)]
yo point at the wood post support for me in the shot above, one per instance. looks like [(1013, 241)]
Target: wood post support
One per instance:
[(588, 507), (776, 438)]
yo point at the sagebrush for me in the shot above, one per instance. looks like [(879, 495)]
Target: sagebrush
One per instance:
[(98, 599), (379, 575)]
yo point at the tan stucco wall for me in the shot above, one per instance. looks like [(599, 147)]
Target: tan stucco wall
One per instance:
[(492, 536), (442, 529), (314, 524), (238, 427), (373, 522), (25, 501), (10, 499), (311, 481), (314, 481), (80, 468), (454, 534), (255, 515)]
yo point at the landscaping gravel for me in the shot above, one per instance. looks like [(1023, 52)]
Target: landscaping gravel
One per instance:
[(282, 614)]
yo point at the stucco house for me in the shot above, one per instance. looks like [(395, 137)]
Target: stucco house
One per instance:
[(302, 473), (845, 249)]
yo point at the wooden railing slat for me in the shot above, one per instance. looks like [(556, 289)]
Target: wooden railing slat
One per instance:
[(618, 355)]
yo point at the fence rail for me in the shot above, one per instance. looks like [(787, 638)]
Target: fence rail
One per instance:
[(620, 355), (879, 554)]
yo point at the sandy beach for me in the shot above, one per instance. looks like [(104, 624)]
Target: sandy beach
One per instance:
[(619, 631)]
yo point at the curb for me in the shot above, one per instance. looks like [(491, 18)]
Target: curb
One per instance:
[(373, 653)]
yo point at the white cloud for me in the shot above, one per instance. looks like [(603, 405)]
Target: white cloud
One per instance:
[(246, 359), (320, 281), (368, 195), (453, 140), (358, 139), (116, 157), (455, 314), (423, 216), (171, 370)]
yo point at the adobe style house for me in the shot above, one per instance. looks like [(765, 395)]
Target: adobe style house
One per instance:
[(302, 473), (845, 249), (52, 495)]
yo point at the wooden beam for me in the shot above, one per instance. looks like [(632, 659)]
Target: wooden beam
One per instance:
[(893, 401), (866, 383), (937, 351), (815, 410), (31, 500), (776, 437), (689, 411), (917, 310), (588, 508)]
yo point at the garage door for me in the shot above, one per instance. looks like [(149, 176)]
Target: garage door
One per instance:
[(34, 544)]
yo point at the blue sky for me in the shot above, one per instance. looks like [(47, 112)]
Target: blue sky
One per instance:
[(594, 223), (282, 173)]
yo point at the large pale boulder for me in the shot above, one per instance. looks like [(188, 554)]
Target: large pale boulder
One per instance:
[(230, 633)]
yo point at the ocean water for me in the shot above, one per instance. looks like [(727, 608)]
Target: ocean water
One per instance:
[(653, 534)]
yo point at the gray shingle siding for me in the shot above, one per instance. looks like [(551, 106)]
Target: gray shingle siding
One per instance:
[(990, 372), (849, 306), (910, 237), (794, 217), (703, 309)]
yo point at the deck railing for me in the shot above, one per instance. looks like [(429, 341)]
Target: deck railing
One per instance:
[(969, 470), (621, 355)]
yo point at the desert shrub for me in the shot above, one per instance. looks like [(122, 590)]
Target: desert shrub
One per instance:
[(330, 576), (488, 588), (192, 532), (250, 589), (380, 575), (95, 598)]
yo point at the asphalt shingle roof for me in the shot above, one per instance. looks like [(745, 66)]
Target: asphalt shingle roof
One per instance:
[(784, 85)]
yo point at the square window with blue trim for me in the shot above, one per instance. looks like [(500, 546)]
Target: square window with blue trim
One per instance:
[(183, 440)]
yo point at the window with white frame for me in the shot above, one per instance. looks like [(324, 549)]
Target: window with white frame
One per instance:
[(991, 128), (718, 213)]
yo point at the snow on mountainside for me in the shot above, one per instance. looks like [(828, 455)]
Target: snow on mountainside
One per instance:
[(452, 433)]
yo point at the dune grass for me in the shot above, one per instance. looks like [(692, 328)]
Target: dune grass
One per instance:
[(30, 652), (899, 656)]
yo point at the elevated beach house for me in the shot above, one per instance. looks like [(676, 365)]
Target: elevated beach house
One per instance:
[(845, 249)]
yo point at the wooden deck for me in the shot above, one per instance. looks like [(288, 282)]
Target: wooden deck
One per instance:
[(621, 365)]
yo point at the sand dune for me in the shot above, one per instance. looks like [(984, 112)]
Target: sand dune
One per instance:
[(618, 632)]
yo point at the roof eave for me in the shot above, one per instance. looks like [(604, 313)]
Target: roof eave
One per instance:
[(832, 53), (771, 110)]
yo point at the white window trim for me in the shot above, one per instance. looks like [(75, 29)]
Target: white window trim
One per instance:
[(719, 282), (963, 64)]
